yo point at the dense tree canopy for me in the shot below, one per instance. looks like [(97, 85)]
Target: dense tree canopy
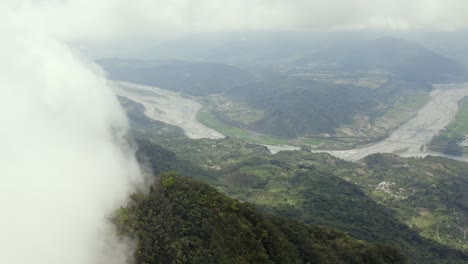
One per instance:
[(185, 221)]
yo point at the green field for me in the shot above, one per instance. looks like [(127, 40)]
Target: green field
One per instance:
[(449, 139), (403, 109), (207, 118), (459, 126)]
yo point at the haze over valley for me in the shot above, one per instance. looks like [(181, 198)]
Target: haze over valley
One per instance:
[(380, 91), (283, 131), (411, 139)]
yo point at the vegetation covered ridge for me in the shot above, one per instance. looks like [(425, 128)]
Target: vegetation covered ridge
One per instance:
[(184, 221), (320, 189)]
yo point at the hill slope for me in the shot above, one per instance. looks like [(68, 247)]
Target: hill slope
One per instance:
[(428, 194), (313, 188), (406, 60), (193, 78), (296, 107), (184, 221)]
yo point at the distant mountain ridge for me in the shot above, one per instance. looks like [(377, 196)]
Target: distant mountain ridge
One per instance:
[(403, 59), (193, 78), (298, 48), (408, 61), (295, 106)]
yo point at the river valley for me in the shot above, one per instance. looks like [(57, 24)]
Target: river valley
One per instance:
[(409, 140)]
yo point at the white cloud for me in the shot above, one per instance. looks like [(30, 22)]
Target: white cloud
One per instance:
[(121, 19), (64, 166)]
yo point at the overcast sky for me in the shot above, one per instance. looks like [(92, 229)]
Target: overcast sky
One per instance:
[(110, 20)]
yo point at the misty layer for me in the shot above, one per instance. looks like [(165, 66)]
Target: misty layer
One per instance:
[(64, 162)]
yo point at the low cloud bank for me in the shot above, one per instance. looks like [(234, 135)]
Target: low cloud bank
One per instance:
[(65, 165)]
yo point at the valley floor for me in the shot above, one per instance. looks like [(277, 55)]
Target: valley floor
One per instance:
[(168, 107), (410, 139)]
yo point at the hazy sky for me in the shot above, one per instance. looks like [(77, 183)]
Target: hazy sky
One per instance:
[(103, 28), (120, 19)]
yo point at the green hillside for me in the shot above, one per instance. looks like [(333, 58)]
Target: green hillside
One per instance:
[(296, 107), (430, 195), (193, 78), (184, 221), (320, 189), (316, 189), (406, 60), (290, 108)]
